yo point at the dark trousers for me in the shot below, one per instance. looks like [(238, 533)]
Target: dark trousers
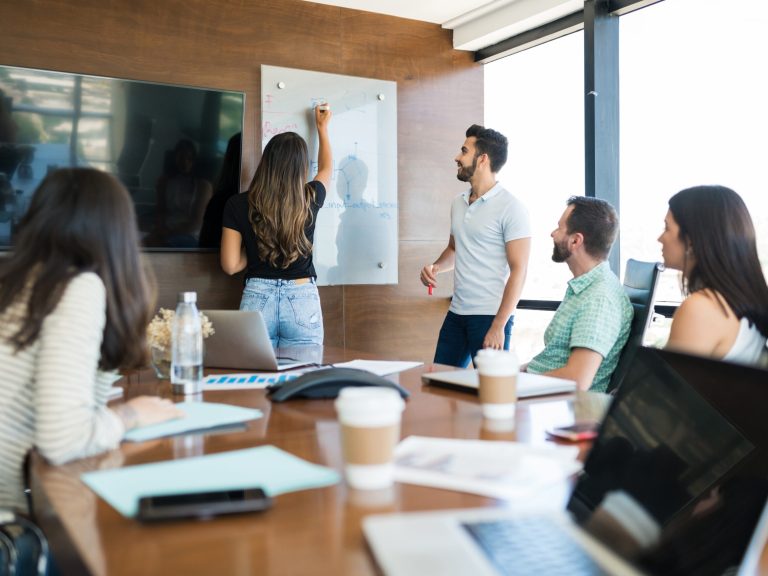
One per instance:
[(461, 336)]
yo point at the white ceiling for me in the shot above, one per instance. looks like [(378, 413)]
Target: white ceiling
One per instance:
[(435, 11), (475, 23)]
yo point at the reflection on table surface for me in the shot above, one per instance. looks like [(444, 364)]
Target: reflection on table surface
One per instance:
[(310, 532)]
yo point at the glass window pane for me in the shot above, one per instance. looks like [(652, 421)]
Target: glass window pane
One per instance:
[(535, 98), (692, 112), (528, 332)]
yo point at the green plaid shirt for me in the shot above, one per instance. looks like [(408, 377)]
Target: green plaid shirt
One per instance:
[(595, 314)]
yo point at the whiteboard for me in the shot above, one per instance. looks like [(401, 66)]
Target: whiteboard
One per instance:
[(356, 231)]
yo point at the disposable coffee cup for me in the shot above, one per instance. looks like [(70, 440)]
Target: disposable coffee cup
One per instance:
[(370, 430), (498, 430), (497, 375), (382, 499)]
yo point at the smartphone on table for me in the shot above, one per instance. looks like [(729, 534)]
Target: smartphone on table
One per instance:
[(576, 432), (202, 504)]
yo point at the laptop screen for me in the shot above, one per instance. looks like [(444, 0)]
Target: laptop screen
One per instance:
[(680, 463)]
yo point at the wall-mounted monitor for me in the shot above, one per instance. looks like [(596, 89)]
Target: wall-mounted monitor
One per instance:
[(176, 148)]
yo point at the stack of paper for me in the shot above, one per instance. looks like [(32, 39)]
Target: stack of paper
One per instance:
[(379, 367), (506, 470)]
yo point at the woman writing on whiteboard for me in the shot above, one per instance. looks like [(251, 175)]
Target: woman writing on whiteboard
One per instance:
[(269, 231), (709, 236)]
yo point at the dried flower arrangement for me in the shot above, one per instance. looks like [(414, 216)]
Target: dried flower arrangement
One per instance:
[(159, 330)]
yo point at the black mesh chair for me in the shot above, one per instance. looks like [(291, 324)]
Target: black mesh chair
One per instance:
[(640, 279)]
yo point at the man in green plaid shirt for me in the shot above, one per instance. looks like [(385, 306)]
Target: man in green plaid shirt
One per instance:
[(588, 332)]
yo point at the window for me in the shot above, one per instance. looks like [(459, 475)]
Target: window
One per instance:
[(535, 98), (692, 112)]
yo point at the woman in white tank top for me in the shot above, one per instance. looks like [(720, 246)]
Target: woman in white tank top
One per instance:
[(709, 236)]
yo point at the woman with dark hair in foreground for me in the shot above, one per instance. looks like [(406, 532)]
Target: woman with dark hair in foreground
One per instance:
[(74, 304), (709, 236)]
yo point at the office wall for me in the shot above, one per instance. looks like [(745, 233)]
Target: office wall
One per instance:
[(221, 44)]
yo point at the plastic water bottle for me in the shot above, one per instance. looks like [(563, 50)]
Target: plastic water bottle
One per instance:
[(187, 347)]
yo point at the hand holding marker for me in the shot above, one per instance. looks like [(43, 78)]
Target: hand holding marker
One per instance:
[(322, 115), (427, 276)]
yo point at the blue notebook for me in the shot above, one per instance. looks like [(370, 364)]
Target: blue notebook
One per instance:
[(199, 416), (268, 467)]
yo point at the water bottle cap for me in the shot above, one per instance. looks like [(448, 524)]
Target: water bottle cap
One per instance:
[(188, 297)]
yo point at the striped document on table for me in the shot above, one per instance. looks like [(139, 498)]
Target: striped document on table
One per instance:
[(246, 381)]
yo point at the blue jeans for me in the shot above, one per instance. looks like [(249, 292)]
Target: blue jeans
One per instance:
[(291, 311), (462, 336)]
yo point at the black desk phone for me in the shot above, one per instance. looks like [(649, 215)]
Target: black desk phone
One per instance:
[(327, 382)]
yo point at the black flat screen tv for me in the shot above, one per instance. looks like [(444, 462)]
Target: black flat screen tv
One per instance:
[(177, 149)]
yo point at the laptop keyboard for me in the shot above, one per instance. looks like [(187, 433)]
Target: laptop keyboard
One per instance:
[(536, 545)]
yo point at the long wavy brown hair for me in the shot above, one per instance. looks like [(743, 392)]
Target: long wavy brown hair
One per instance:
[(81, 220), (280, 200)]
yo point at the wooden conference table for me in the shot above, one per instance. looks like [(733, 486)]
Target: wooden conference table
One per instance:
[(310, 532)]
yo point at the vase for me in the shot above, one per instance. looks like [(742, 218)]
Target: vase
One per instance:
[(161, 362)]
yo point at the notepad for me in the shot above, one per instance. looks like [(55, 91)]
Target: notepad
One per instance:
[(274, 470), (199, 416)]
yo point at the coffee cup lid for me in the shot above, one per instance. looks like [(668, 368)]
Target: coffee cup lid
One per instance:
[(501, 361), (369, 403)]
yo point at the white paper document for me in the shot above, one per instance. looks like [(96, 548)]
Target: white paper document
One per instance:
[(379, 367), (506, 470), (247, 381)]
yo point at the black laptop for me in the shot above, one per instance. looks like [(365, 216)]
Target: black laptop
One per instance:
[(676, 483)]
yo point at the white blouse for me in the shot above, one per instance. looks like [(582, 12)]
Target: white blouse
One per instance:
[(748, 346)]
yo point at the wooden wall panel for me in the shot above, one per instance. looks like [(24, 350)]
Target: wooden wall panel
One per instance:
[(221, 44), (400, 321)]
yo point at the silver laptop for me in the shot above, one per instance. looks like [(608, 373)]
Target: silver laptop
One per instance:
[(676, 483), (241, 342), (528, 385)]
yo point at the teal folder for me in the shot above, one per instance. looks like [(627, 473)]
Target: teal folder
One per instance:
[(198, 416), (267, 467)]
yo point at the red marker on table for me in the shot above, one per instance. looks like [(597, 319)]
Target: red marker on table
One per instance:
[(429, 289)]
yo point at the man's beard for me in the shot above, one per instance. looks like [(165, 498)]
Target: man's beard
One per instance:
[(466, 172), (560, 252)]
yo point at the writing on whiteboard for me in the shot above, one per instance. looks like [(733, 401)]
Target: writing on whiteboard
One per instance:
[(268, 129)]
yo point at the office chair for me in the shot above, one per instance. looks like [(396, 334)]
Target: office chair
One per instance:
[(640, 279), (17, 558)]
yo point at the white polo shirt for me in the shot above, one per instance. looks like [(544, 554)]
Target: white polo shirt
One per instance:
[(480, 232)]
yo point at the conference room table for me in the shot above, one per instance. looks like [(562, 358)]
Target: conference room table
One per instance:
[(315, 531)]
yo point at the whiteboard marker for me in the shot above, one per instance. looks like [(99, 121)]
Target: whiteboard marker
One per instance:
[(323, 107), (429, 289)]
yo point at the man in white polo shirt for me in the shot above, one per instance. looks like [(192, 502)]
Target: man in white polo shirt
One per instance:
[(488, 250)]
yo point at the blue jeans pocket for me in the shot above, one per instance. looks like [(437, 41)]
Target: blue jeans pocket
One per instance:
[(306, 308), (253, 299)]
